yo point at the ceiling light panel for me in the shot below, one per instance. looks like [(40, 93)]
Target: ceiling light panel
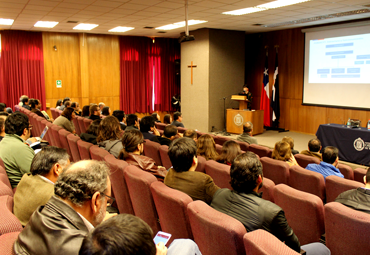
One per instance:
[(84, 26), (48, 24), (121, 29), (7, 22), (180, 24)]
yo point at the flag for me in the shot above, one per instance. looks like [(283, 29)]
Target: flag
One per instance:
[(265, 98), (275, 103)]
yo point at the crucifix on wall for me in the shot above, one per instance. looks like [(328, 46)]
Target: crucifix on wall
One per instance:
[(191, 66)]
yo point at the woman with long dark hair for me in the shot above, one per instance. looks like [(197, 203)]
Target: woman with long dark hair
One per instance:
[(109, 135), (206, 147), (230, 150), (65, 120)]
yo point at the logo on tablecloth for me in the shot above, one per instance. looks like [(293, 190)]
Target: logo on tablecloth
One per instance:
[(359, 144), (238, 120)]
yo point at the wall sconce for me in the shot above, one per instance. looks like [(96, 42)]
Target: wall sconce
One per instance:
[(55, 48)]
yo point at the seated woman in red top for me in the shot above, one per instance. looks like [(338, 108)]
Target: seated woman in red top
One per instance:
[(230, 150), (133, 147)]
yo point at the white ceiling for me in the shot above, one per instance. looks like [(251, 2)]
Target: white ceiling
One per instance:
[(154, 13)]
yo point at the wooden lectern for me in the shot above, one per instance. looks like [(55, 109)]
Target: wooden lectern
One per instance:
[(236, 118)]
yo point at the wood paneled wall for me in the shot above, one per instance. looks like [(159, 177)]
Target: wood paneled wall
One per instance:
[(88, 66), (294, 115)]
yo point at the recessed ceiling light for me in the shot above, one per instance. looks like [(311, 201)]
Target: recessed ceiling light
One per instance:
[(180, 24), (84, 26), (244, 11), (48, 24), (121, 29), (7, 22)]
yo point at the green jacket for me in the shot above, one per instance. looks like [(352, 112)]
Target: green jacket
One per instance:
[(17, 157)]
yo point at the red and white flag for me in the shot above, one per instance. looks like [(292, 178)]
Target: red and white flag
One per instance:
[(265, 96)]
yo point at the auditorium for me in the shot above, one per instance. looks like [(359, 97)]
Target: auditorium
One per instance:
[(184, 127)]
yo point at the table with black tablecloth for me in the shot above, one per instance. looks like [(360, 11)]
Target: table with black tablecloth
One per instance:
[(353, 143)]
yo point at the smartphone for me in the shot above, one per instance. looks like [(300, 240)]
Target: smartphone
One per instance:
[(162, 237)]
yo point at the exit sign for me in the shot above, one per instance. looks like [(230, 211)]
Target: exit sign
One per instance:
[(59, 83)]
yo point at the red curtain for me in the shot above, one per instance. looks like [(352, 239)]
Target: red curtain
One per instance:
[(148, 68), (22, 66)]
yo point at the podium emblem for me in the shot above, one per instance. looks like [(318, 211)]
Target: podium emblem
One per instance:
[(238, 120), (359, 144)]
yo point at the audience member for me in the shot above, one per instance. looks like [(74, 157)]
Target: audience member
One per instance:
[(358, 199), (106, 111), (170, 133), (132, 122), (133, 148), (129, 235), (76, 107), (21, 100), (329, 163), (2, 128), (314, 148), (37, 187), (63, 106), (82, 193), (290, 141), (101, 106), (94, 112), (25, 101), (247, 206), (58, 104), (147, 127), (85, 111), (65, 120), (247, 134), (156, 117), (230, 150), (109, 135), (167, 119), (190, 133), (120, 115), (283, 152), (2, 107), (206, 147), (35, 107), (15, 153), (177, 120), (91, 132), (182, 176)]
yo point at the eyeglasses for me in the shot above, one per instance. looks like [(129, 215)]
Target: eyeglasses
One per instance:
[(110, 199), (30, 127)]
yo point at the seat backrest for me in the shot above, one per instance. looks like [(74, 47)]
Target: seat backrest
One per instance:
[(275, 170), (49, 135), (243, 145), (303, 211), (221, 139), (172, 206), (201, 164), (267, 189), (81, 124), (218, 148), (307, 181), (261, 242), (347, 230), (165, 159), (40, 125), (84, 149), (358, 174), (346, 171), (64, 141), (77, 126), (4, 188), (304, 160), (214, 232), (72, 143), (138, 184), (98, 153), (181, 130), (151, 150), (54, 113), (261, 151), (87, 123), (119, 186), (220, 173), (7, 242), (3, 175), (8, 222), (160, 126), (335, 185), (55, 133)]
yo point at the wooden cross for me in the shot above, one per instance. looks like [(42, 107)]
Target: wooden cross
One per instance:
[(191, 66)]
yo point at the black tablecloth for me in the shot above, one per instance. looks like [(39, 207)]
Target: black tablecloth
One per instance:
[(353, 143)]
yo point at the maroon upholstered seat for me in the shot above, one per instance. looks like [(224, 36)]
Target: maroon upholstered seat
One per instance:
[(8, 222), (40, 125), (172, 206), (181, 129), (55, 133), (304, 160), (201, 164), (81, 124), (214, 232), (87, 122), (346, 171), (275, 170), (7, 242), (165, 159), (220, 173), (54, 114), (119, 186), (3, 175), (84, 149), (72, 143), (77, 126), (160, 126), (307, 181), (138, 184), (220, 139), (151, 150), (219, 148), (261, 151), (5, 189), (261, 242), (64, 141), (243, 145), (335, 185), (49, 134), (304, 212), (98, 153), (347, 230), (358, 174), (267, 189)]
